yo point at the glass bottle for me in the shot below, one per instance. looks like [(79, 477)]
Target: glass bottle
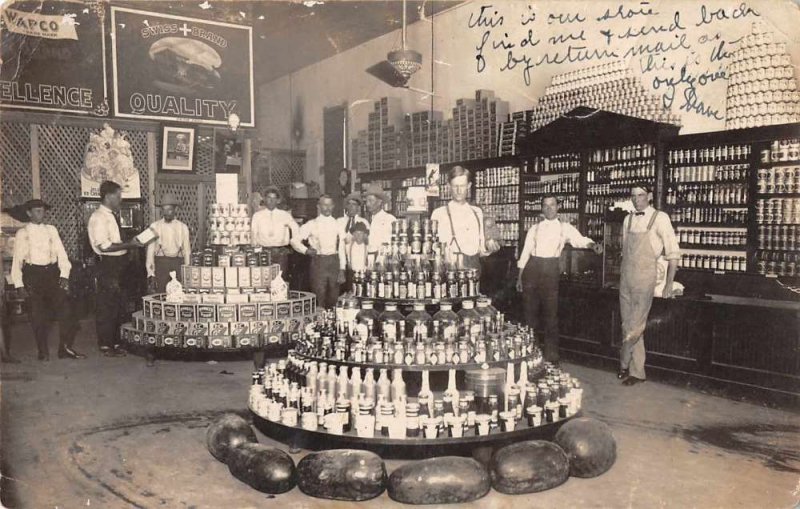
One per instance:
[(425, 395), (384, 385), (419, 322), (448, 321), (469, 320), (486, 314), (390, 322), (367, 320), (398, 385)]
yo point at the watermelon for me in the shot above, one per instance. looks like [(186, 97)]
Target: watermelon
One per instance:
[(267, 469), (225, 433), (444, 480), (590, 446), (344, 474), (528, 467)]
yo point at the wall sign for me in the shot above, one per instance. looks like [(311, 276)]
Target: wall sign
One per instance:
[(181, 69), (52, 55)]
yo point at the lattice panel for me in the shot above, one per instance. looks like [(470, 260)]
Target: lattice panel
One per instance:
[(61, 150), (15, 163), (211, 196), (187, 212), (61, 158), (204, 152), (287, 167)]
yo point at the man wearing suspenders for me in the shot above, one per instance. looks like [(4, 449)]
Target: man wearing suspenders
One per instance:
[(170, 250), (646, 233), (461, 224), (324, 236), (539, 271)]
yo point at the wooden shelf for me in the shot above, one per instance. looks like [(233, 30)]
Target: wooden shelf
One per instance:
[(775, 164), (717, 225), (777, 195), (713, 247), (622, 161), (712, 182), (726, 162), (709, 205)]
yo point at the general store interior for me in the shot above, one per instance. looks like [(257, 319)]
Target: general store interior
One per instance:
[(580, 100)]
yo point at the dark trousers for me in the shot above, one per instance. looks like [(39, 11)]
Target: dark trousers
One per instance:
[(47, 300), (540, 293), (110, 308), (280, 255), (324, 272)]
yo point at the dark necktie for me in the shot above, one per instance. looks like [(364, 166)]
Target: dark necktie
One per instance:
[(638, 213), (349, 224)]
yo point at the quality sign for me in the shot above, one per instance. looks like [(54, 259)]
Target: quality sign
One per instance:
[(181, 69)]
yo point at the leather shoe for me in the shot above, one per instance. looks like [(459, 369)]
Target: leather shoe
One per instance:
[(119, 352), (69, 353), (622, 374), (632, 380), (45, 357)]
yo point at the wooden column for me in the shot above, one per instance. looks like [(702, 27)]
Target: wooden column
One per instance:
[(247, 166), (36, 180), (152, 166)]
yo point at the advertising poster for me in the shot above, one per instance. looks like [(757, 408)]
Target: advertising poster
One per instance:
[(52, 57), (181, 69)]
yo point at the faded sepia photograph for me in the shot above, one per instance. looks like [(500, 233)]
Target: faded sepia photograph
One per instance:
[(394, 253)]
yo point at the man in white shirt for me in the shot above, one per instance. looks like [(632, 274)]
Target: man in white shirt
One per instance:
[(380, 226), (461, 226), (539, 272), (170, 250), (40, 272), (324, 236), (274, 229), (646, 234), (106, 242)]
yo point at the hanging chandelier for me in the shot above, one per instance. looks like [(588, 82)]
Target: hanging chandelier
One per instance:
[(405, 61)]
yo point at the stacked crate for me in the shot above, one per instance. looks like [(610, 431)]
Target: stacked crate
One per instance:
[(421, 132), (383, 149)]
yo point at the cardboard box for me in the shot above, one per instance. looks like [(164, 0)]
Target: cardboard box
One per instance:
[(244, 276), (162, 327), (237, 298), (219, 328), (258, 326), (206, 277), (192, 298), (283, 310), (220, 342), (198, 329), (256, 277), (149, 326), (307, 306), (206, 312), (157, 310), (195, 280), (187, 312), (277, 326), (231, 277), (260, 297), (178, 328), (213, 298), (227, 313), (248, 312), (194, 341), (239, 328), (170, 311), (297, 308), (218, 277)]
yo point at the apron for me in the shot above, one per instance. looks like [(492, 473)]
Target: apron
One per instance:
[(163, 266), (637, 286), (467, 261)]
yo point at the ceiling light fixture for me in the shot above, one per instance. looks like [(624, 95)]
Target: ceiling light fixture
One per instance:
[(405, 61)]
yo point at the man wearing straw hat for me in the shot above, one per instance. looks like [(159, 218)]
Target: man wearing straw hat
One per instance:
[(380, 227), (40, 272), (171, 249)]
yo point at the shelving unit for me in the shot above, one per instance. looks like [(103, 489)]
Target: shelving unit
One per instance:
[(496, 191)]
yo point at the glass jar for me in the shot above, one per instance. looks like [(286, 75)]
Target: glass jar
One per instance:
[(469, 320), (390, 321), (486, 315), (367, 320), (448, 321), (418, 323)]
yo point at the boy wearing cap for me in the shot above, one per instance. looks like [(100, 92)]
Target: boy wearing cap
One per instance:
[(646, 234), (40, 272), (353, 256), (170, 250)]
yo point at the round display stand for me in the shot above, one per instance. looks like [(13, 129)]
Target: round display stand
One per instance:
[(406, 448)]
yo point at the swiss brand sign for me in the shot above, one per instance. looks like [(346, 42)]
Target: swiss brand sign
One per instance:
[(52, 56), (181, 69)]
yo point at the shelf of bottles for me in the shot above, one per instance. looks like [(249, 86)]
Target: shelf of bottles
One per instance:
[(610, 174), (497, 194), (558, 175), (708, 194), (370, 368), (778, 209)]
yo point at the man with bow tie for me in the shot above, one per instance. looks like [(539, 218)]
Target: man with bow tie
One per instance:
[(646, 234)]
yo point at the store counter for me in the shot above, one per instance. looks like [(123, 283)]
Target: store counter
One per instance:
[(727, 340)]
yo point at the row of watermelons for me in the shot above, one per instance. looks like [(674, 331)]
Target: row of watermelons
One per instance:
[(583, 447)]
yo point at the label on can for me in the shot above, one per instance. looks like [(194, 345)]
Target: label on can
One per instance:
[(282, 310), (157, 310), (206, 312), (227, 313), (218, 277), (266, 311), (231, 277), (248, 312), (297, 308), (198, 329), (258, 326), (187, 312), (219, 328), (170, 311), (205, 277), (244, 276), (238, 328)]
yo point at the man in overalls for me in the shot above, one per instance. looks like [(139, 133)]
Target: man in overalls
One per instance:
[(646, 234), (461, 224), (539, 271)]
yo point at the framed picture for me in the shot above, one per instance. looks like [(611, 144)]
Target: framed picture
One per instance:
[(227, 152), (177, 148)]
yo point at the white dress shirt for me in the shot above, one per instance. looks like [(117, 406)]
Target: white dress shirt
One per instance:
[(323, 234), (468, 225), (38, 244), (173, 240), (662, 235), (355, 257), (380, 231), (344, 221), (346, 235), (546, 239), (104, 231), (274, 228)]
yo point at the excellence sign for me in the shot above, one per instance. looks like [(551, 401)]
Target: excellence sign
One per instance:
[(181, 69)]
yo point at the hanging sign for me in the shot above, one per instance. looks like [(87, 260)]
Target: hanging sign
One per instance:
[(52, 55), (181, 69)]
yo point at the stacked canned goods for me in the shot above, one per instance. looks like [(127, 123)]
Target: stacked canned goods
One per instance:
[(778, 211)]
